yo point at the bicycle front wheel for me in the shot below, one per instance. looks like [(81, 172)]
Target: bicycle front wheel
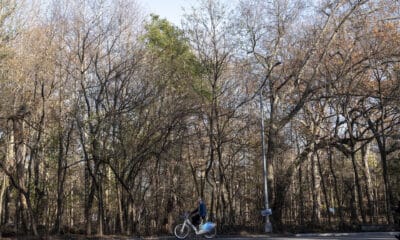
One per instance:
[(181, 231), (211, 234)]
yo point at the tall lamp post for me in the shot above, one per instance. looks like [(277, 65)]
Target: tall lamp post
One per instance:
[(266, 212)]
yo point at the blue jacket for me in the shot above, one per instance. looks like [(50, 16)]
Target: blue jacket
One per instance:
[(202, 209)]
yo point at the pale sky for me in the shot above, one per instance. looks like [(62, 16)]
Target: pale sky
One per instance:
[(169, 9)]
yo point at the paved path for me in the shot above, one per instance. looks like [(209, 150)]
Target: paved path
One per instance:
[(324, 236), (363, 235), (327, 236)]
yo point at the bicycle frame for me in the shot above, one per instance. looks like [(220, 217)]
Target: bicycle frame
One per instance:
[(182, 230), (189, 223)]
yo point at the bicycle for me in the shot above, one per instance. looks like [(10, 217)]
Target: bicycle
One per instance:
[(182, 230)]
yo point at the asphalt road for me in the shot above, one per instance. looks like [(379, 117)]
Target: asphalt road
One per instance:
[(330, 236), (323, 236)]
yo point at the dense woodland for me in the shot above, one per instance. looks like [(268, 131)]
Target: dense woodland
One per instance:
[(114, 121)]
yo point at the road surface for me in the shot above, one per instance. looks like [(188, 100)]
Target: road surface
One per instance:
[(326, 236)]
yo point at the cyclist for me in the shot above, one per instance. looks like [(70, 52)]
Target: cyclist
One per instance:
[(199, 214)]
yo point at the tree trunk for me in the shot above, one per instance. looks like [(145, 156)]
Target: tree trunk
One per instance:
[(61, 170), (10, 155), (7, 200), (324, 190), (4, 186), (20, 154), (301, 196), (368, 181), (315, 184), (120, 210), (28, 206), (358, 186), (89, 203), (353, 208), (100, 214), (380, 138), (336, 189), (388, 188)]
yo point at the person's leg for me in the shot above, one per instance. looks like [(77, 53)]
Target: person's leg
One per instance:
[(196, 220)]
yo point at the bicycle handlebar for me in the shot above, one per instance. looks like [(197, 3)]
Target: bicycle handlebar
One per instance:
[(185, 215)]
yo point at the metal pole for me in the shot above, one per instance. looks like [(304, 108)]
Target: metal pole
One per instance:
[(268, 225)]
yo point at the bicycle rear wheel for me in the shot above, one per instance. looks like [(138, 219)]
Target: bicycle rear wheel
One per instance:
[(211, 234), (181, 231)]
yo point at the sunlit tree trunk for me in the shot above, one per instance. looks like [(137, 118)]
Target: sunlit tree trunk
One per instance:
[(315, 189), (368, 181)]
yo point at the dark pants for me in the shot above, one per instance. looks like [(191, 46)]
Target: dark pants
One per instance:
[(196, 219)]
